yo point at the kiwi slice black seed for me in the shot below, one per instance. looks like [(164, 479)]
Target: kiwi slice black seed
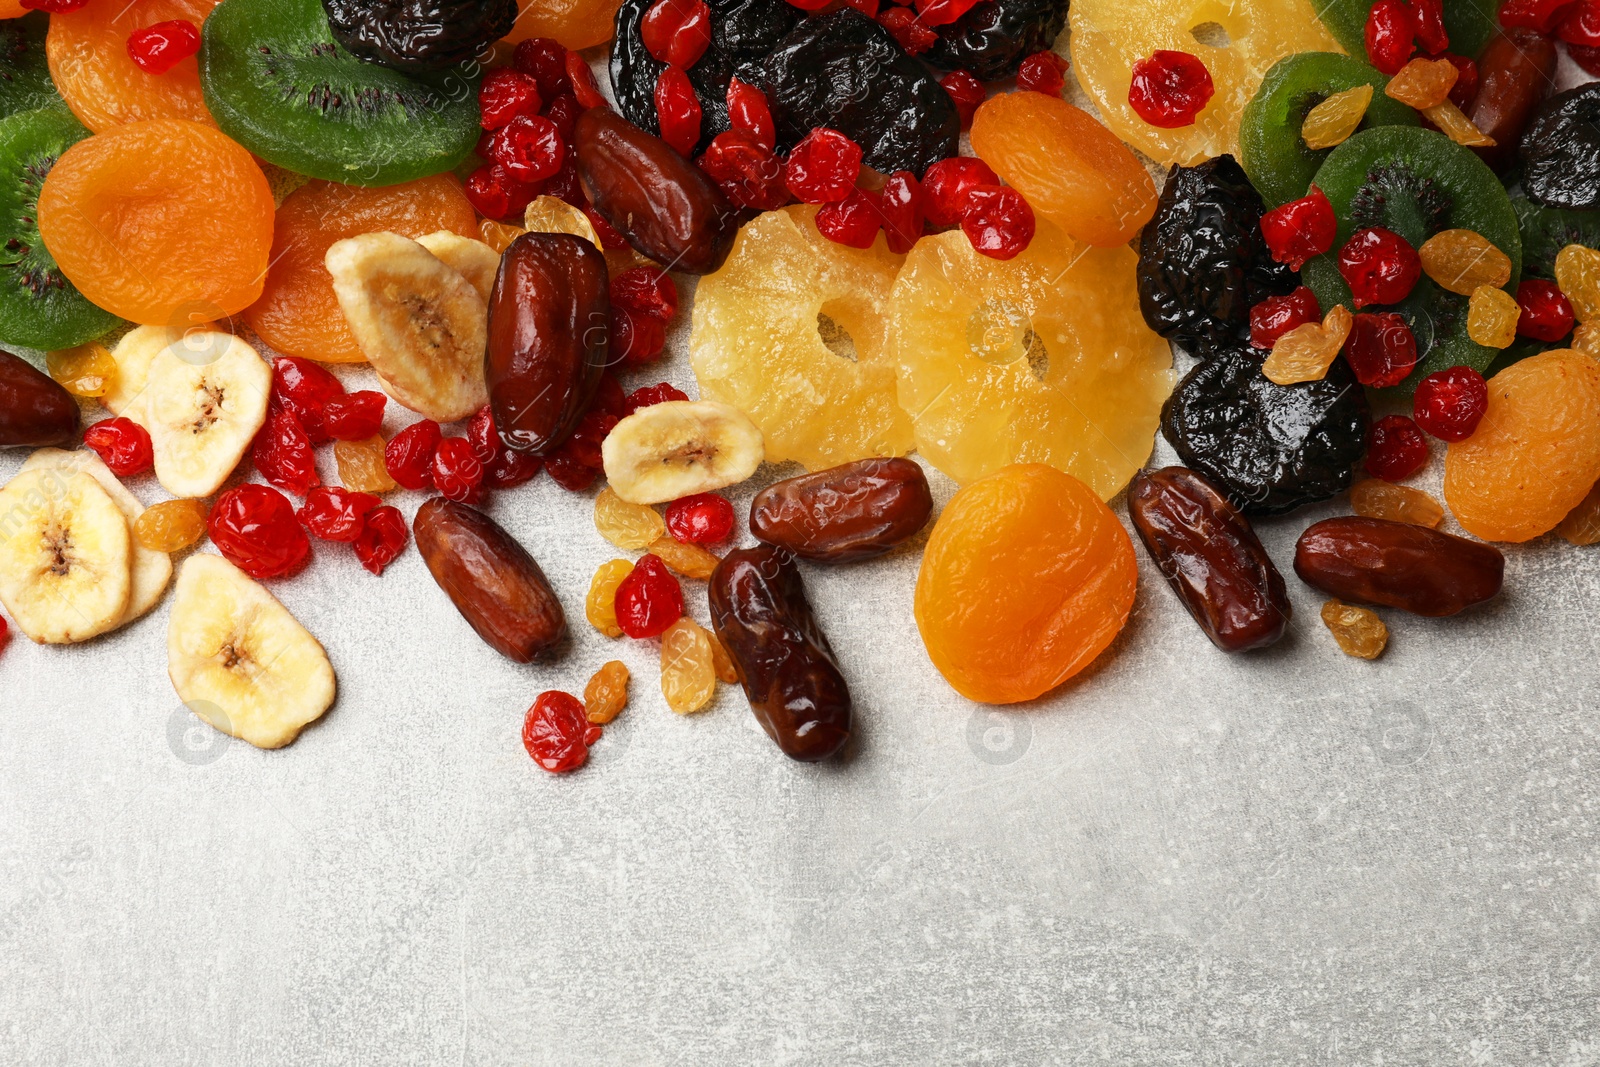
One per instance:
[(277, 82), (39, 308), (1547, 230), (24, 75)]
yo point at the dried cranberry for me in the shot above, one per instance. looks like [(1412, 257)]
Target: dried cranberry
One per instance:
[(584, 444), (1581, 25), (678, 110), (610, 239), (566, 186), (853, 221), (546, 62), (1379, 265), (899, 207), (700, 519), (333, 513), (943, 12), (482, 436), (488, 194), (158, 48), (608, 396), (1170, 88), (382, 538), (747, 173), (584, 87), (1466, 86), (966, 92), (528, 148), (649, 599), (1449, 403), (354, 416), (1390, 36), (635, 338), (305, 388), (907, 30), (1396, 449), (5, 634), (569, 473), (1043, 72), (409, 455), (647, 290), (509, 469), (557, 734), (651, 394), (457, 472), (676, 32), (748, 112), (1277, 315), (563, 112), (1427, 17), (945, 186), (1541, 15), (282, 452), (1380, 349), (1546, 314), (505, 94), (122, 444), (255, 529), (1587, 58), (823, 167), (998, 221), (1301, 229)]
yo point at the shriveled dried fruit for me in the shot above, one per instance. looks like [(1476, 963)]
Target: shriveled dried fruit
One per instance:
[(171, 525), (361, 466), (688, 675), (87, 370), (1462, 260), (1492, 315), (1305, 353), (1423, 83), (630, 526), (607, 693), (1457, 126), (1332, 121), (1359, 631), (1578, 274), (721, 662), (1398, 565), (691, 561), (1586, 338), (1374, 498), (600, 607)]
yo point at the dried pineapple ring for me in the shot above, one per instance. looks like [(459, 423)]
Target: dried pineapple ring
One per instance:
[(1110, 36), (772, 335), (1039, 359)]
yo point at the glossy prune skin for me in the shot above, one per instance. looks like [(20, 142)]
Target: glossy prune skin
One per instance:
[(664, 205), (35, 411), (1212, 558), (789, 673), (491, 579), (1203, 263), (845, 72), (1269, 448), (419, 36), (993, 38), (1398, 565), (1514, 73), (1560, 150), (548, 338), (854, 511)]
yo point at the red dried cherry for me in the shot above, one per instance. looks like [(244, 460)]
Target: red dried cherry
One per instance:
[(1380, 266), (700, 519), (648, 291), (649, 599), (853, 221), (509, 469), (1466, 86), (557, 734), (644, 396), (1449, 403), (676, 32), (966, 92), (945, 186), (159, 47), (1427, 17), (1170, 88), (1043, 72), (505, 94), (569, 473), (282, 452), (823, 167), (122, 444), (382, 538), (1396, 449), (608, 395), (482, 435), (584, 87), (546, 61), (457, 472), (584, 444), (305, 388), (943, 12), (1581, 25), (255, 529), (5, 634), (1301, 229), (528, 148), (868, 8), (488, 194), (563, 112), (409, 455), (907, 30), (1381, 349), (678, 110), (354, 416), (635, 338), (998, 221), (749, 113), (1390, 36), (748, 174), (1545, 312), (899, 206), (1587, 58), (1541, 15), (333, 513), (1277, 315)]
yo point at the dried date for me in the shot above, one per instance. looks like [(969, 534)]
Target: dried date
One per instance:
[(854, 511), (1514, 73), (35, 411), (1398, 565)]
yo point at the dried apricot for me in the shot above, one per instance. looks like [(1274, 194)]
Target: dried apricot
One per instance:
[(1358, 630), (171, 525), (607, 693), (104, 87), (688, 676), (601, 605), (297, 313), (1535, 455), (1026, 579), (574, 23), (1374, 498), (166, 223)]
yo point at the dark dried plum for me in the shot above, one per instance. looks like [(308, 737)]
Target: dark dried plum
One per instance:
[(846, 72), (1560, 150), (991, 39), (1270, 448), (1202, 260), (417, 36), (742, 32)]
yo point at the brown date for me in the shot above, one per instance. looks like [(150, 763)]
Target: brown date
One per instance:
[(664, 205), (491, 579), (35, 411), (853, 511), (1398, 565), (1212, 558), (549, 338), (764, 621), (1515, 72)]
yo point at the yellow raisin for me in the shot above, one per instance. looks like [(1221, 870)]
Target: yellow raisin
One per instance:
[(607, 693), (1457, 126), (497, 235), (691, 561), (551, 214), (630, 526), (1423, 83), (1578, 274), (1378, 499), (1305, 353), (1582, 524), (88, 370), (171, 525), (688, 676), (361, 465), (721, 662), (1586, 338), (1359, 631), (1492, 316), (1332, 122), (601, 606), (1463, 260)]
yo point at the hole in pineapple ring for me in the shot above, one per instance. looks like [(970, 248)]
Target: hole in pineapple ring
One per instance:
[(1001, 333), (835, 337), (1212, 35)]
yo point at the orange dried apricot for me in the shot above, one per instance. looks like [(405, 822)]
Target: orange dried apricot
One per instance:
[(1423, 83), (575, 23), (165, 223), (297, 313), (88, 54), (1026, 579)]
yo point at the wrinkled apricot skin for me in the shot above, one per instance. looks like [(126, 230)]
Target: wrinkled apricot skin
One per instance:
[(87, 51), (165, 223), (575, 23), (297, 313), (1536, 453), (1027, 577)]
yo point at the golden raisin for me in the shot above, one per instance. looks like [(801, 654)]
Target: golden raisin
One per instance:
[(1586, 338), (1457, 126), (1463, 260), (1332, 122), (551, 214), (1492, 316), (498, 235), (1375, 498), (1423, 83), (1578, 274), (630, 526), (1305, 353), (691, 561), (721, 662), (688, 677), (607, 693), (1359, 631), (88, 370), (601, 606), (171, 525), (361, 465)]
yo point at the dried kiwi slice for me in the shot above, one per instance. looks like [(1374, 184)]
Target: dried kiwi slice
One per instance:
[(1416, 182), (24, 75), (39, 308), (1547, 230), (1270, 148), (1470, 23), (276, 82)]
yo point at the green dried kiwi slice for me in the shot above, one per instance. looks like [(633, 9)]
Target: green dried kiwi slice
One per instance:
[(1416, 182), (1271, 150), (1470, 24), (24, 75), (277, 82), (1547, 230), (39, 308)]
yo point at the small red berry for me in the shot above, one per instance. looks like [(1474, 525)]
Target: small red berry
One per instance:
[(584, 87), (810, 5), (283, 454), (505, 94), (1170, 88), (608, 396), (1043, 72), (354, 416), (1466, 86), (651, 394), (1587, 58), (676, 32), (409, 455), (649, 599), (255, 529), (334, 513), (868, 8), (610, 239), (946, 184), (966, 92), (488, 195), (899, 206), (556, 733), (568, 473), (943, 12), (823, 167), (1581, 25), (122, 444), (636, 338), (907, 29), (5, 634), (1449, 403), (563, 112), (529, 148), (482, 435), (678, 110), (998, 221), (160, 47), (1396, 449), (590, 434), (748, 174), (1380, 266), (457, 472), (1300, 229), (1427, 16), (1390, 36), (382, 538), (853, 222), (647, 290), (510, 469), (704, 518), (1541, 15), (1546, 314), (306, 388), (1381, 349), (1277, 315), (546, 61), (748, 112)]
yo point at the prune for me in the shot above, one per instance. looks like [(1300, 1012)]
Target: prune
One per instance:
[(742, 32), (992, 38), (1202, 260), (417, 36), (1514, 73), (35, 411), (853, 511), (1560, 150), (1269, 448), (1398, 565), (789, 672), (846, 72)]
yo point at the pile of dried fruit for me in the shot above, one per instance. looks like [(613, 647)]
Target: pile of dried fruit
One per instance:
[(207, 203)]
